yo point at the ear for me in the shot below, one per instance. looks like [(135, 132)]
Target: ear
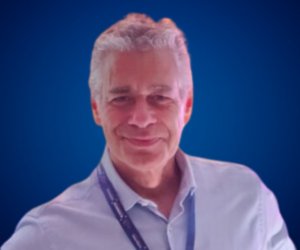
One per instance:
[(95, 110), (188, 106)]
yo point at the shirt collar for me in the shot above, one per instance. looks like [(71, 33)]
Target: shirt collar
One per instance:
[(188, 183), (129, 197)]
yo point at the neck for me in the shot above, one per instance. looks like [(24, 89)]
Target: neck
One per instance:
[(160, 185)]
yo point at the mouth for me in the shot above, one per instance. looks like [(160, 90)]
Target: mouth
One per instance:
[(142, 142)]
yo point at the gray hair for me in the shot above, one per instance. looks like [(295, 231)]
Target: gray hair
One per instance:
[(139, 32)]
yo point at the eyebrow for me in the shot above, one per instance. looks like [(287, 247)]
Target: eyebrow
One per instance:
[(127, 89), (120, 90)]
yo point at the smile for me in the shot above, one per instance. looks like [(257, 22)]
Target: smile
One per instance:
[(142, 142)]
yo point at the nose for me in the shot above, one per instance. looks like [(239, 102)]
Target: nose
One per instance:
[(142, 115)]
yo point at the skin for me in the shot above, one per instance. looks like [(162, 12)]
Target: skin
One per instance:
[(142, 117)]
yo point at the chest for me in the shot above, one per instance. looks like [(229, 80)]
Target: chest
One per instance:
[(105, 232)]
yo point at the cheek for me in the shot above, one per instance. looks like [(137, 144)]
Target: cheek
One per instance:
[(112, 118), (174, 121)]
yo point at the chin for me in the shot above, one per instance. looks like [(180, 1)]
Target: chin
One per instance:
[(145, 160)]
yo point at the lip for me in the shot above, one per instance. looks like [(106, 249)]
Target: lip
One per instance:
[(145, 142)]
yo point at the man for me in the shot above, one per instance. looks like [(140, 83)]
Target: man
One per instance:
[(146, 193)]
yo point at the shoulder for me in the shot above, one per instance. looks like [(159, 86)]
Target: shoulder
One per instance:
[(79, 193), (227, 184), (221, 173), (230, 199), (42, 226)]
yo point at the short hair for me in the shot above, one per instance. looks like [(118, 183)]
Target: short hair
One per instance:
[(138, 32)]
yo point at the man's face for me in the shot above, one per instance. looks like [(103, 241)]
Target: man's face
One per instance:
[(141, 112)]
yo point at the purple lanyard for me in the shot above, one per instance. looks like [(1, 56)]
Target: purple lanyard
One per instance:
[(133, 234)]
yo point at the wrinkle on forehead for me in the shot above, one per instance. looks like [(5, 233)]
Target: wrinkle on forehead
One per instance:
[(156, 67), (161, 88), (158, 59)]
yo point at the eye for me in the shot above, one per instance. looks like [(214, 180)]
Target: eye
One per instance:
[(121, 100), (160, 99)]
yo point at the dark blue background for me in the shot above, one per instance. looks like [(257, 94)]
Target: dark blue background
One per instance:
[(245, 62)]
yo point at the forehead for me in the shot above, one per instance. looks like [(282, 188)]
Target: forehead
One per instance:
[(140, 69)]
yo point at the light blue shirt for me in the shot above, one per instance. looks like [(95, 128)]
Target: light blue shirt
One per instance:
[(234, 211)]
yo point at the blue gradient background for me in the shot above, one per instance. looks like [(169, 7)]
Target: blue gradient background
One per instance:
[(245, 62)]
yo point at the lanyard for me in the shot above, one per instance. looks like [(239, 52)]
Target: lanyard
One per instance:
[(131, 231)]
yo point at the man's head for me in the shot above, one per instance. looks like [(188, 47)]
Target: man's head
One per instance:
[(141, 90)]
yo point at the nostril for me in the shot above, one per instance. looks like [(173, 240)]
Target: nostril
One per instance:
[(142, 120)]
